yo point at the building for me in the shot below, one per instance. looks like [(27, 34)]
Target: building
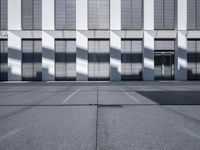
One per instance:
[(99, 40)]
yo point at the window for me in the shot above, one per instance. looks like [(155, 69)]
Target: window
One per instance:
[(3, 60), (31, 14), (193, 21), (98, 59), (65, 14), (65, 59), (164, 14), (98, 13), (132, 14), (31, 60), (3, 14), (131, 59), (193, 58)]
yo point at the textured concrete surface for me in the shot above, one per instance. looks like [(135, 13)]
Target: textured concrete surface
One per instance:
[(100, 115)]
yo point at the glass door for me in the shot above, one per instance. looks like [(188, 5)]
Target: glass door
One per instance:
[(164, 65), (158, 66)]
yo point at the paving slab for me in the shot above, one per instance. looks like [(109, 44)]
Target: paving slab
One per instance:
[(115, 98), (145, 128), (47, 128), (26, 98)]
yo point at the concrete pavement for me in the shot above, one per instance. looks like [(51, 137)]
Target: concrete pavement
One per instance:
[(100, 115)]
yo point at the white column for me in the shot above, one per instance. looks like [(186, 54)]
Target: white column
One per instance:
[(115, 56), (81, 57), (148, 14), (81, 14), (182, 14), (14, 57), (14, 14), (48, 57), (148, 57), (181, 57), (115, 14), (48, 14)]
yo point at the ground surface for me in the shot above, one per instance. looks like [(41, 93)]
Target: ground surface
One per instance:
[(100, 115)]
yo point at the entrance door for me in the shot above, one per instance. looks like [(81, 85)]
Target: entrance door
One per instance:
[(164, 65)]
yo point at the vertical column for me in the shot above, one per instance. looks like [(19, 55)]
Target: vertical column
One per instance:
[(14, 41), (48, 57), (182, 14), (81, 57), (81, 14), (115, 56), (148, 57), (115, 14), (148, 14), (14, 57), (48, 22), (181, 57), (14, 14), (181, 52)]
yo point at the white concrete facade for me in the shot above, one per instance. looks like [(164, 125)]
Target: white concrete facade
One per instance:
[(48, 34)]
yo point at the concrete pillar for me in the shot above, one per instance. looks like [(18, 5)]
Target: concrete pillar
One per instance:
[(14, 41), (81, 14), (48, 57), (182, 14), (181, 57), (115, 14), (148, 14), (14, 14), (81, 57), (148, 57), (48, 21), (14, 57), (115, 56)]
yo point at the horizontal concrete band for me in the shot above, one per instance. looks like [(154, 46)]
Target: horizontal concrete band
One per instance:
[(133, 34)]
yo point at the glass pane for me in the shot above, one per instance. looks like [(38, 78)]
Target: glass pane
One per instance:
[(158, 66), (167, 66)]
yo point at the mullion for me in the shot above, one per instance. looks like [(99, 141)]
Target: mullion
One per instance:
[(65, 17), (0, 60), (65, 45), (131, 14), (33, 59), (0, 15), (196, 14), (163, 15), (33, 15), (131, 59), (98, 27), (97, 56), (196, 58)]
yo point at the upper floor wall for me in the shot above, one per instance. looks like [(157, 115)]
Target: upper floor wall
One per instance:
[(99, 14)]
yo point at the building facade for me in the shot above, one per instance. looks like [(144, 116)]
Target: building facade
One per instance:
[(47, 40)]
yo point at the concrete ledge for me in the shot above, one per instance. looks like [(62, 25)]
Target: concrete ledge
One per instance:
[(62, 34), (195, 34), (28, 34)]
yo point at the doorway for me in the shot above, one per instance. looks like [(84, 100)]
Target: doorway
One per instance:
[(164, 65)]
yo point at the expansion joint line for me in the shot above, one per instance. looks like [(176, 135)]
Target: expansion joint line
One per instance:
[(97, 119)]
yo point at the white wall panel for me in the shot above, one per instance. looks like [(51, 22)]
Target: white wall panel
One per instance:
[(81, 14), (115, 14), (48, 15), (148, 14), (14, 14)]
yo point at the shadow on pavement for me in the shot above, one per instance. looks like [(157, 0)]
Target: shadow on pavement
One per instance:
[(172, 97)]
